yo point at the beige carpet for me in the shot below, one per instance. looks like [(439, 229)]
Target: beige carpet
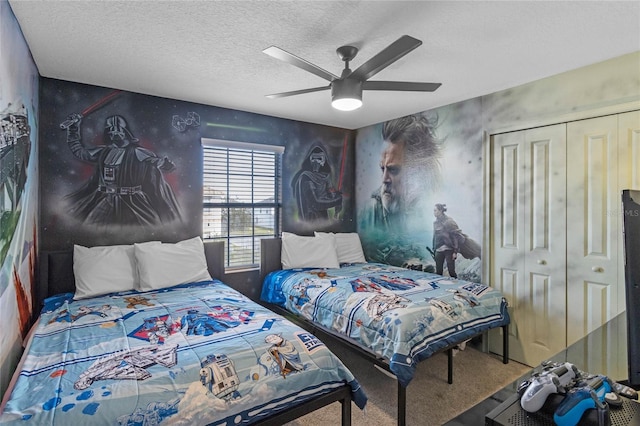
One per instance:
[(431, 401)]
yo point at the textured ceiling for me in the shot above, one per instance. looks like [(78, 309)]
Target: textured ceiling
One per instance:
[(210, 52)]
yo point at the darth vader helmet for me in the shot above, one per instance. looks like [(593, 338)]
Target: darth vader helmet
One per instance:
[(117, 131)]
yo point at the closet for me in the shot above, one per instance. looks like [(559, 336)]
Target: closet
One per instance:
[(555, 224)]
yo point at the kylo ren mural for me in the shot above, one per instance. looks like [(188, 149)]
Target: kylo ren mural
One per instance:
[(318, 195)]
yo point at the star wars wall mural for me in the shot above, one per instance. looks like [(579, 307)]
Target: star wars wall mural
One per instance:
[(120, 167), (18, 191), (319, 179), (417, 177), (313, 189), (127, 186)]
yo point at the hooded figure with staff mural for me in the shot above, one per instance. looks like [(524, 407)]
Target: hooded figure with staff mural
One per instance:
[(448, 241), (127, 187)]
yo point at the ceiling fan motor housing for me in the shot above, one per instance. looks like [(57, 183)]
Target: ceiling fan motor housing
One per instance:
[(346, 94)]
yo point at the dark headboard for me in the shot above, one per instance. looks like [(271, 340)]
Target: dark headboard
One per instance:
[(270, 252), (56, 270)]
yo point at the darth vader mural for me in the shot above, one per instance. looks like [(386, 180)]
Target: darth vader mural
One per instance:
[(118, 167), (315, 195), (127, 186)]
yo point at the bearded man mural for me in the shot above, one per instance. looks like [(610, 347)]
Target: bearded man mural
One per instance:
[(127, 187), (410, 171)]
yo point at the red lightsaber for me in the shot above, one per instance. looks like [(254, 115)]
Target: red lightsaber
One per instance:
[(344, 155), (65, 124)]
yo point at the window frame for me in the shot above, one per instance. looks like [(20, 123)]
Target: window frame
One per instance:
[(276, 205)]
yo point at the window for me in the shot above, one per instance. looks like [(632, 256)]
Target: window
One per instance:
[(241, 197)]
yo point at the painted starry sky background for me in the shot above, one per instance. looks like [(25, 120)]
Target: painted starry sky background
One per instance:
[(150, 119)]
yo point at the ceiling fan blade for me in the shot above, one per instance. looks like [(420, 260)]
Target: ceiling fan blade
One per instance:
[(289, 58), (386, 57), (298, 92), (405, 86)]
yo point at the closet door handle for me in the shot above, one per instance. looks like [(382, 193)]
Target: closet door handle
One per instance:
[(597, 269), (542, 262)]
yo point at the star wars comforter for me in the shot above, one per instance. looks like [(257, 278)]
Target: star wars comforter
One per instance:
[(402, 315), (192, 354)]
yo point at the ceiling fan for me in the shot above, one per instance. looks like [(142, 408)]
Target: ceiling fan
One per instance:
[(346, 90)]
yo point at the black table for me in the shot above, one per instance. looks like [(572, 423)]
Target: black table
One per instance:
[(603, 351)]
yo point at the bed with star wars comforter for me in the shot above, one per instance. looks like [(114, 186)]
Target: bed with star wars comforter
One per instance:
[(192, 354), (399, 314)]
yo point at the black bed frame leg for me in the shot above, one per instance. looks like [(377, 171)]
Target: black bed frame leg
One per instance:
[(505, 344), (402, 405), (450, 365), (346, 411)]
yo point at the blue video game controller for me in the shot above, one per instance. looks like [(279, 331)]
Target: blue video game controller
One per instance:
[(546, 383), (606, 389), (589, 396)]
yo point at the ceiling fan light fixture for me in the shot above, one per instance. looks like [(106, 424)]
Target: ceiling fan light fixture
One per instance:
[(346, 95), (346, 104), (346, 90)]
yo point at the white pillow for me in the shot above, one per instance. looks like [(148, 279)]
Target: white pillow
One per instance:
[(308, 252), (103, 269), (165, 265), (348, 246)]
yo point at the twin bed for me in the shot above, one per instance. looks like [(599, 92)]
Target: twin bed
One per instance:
[(393, 316), (177, 346)]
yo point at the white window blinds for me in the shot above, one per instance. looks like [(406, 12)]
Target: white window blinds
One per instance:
[(241, 197)]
